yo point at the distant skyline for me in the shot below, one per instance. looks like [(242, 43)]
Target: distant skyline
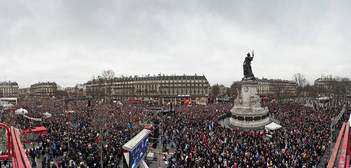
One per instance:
[(68, 42)]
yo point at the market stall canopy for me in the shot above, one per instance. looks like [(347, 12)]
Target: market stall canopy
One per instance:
[(37, 129), (32, 135), (273, 126), (21, 111)]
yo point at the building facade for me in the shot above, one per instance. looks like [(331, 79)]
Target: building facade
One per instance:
[(9, 89), (276, 88), (24, 93), (43, 89), (222, 90), (155, 89), (332, 87), (78, 91)]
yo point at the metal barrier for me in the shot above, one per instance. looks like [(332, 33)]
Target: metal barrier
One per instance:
[(341, 152), (348, 161), (345, 146), (336, 148), (327, 154), (8, 142), (15, 149), (19, 156), (334, 121)]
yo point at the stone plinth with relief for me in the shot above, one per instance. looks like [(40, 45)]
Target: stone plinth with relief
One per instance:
[(247, 111)]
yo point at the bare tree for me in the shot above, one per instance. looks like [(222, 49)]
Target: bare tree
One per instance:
[(277, 90), (301, 82), (228, 92), (235, 87), (280, 90), (9, 119), (108, 76), (328, 86), (215, 90), (336, 87), (345, 84), (61, 93), (339, 86), (93, 88), (312, 90), (97, 89)]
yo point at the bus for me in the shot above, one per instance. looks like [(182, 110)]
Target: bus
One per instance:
[(7, 101), (8, 105)]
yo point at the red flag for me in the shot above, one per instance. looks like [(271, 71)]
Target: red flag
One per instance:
[(326, 117)]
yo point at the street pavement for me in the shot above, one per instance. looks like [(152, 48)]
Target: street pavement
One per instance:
[(27, 146)]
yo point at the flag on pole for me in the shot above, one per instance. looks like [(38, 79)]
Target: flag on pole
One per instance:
[(269, 136)]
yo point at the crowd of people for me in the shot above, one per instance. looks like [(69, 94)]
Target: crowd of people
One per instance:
[(76, 132), (301, 142), (80, 135)]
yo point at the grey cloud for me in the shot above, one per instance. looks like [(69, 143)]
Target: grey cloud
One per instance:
[(70, 41)]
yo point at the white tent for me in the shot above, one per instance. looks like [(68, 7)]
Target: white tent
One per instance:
[(273, 126), (47, 115), (21, 111)]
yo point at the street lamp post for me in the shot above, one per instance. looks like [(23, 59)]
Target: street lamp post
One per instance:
[(99, 88), (102, 161)]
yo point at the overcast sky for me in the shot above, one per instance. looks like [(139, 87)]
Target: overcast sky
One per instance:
[(68, 42)]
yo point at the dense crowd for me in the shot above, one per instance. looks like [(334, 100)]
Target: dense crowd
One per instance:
[(76, 133), (301, 142)]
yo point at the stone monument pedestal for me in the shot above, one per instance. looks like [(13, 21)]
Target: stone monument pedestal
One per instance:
[(247, 111)]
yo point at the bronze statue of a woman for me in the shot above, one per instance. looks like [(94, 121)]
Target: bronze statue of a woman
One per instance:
[(247, 67)]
